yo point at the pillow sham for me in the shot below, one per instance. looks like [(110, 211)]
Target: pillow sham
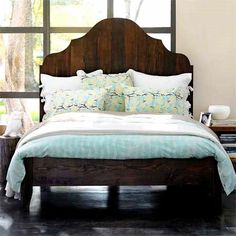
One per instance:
[(51, 84), (143, 80), (114, 84), (152, 100), (73, 101)]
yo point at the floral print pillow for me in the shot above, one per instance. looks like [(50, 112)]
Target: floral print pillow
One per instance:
[(73, 101), (159, 101), (114, 84)]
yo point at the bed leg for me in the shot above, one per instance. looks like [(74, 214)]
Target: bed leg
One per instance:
[(113, 198), (215, 194), (26, 194), (27, 184), (45, 189)]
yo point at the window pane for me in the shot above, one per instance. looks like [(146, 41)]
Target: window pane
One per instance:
[(30, 106), (146, 13), (166, 39), (77, 13), (20, 57), (61, 41), (21, 13)]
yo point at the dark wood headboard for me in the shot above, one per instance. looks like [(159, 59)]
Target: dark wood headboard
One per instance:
[(116, 45)]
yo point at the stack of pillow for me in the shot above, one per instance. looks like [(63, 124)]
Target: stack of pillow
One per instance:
[(124, 92)]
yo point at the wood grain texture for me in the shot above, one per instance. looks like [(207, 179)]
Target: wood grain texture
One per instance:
[(219, 129), (80, 172), (57, 172), (116, 45), (27, 184), (7, 149)]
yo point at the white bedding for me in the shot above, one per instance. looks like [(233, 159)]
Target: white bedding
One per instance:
[(119, 123)]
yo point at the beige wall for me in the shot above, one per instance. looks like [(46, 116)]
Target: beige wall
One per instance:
[(206, 33)]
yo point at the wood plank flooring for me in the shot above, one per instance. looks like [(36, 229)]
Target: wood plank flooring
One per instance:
[(140, 211)]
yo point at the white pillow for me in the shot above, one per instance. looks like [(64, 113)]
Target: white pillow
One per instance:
[(159, 82), (51, 84), (82, 74)]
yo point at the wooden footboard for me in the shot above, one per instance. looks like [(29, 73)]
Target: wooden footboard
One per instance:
[(81, 172)]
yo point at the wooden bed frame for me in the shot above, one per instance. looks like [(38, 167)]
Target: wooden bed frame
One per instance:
[(115, 45)]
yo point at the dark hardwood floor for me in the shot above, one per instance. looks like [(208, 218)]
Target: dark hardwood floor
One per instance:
[(139, 211)]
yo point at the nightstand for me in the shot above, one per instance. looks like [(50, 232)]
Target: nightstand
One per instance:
[(7, 149), (225, 129)]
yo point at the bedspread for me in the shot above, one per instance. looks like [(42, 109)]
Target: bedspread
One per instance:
[(120, 136)]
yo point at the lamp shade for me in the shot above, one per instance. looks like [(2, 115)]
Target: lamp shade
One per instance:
[(219, 112)]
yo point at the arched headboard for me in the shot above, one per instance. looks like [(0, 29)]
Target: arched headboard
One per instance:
[(116, 45)]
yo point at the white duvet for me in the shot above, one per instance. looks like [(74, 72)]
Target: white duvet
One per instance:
[(119, 123)]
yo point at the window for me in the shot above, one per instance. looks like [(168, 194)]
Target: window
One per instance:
[(31, 29)]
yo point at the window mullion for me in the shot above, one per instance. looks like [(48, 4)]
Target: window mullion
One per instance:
[(161, 30), (173, 25), (69, 29), (19, 95), (110, 9), (9, 30), (46, 27)]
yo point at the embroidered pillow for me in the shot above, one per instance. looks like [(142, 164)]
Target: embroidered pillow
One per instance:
[(114, 84), (152, 100), (51, 84), (73, 101)]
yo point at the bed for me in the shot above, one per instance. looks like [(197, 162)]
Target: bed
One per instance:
[(116, 45)]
